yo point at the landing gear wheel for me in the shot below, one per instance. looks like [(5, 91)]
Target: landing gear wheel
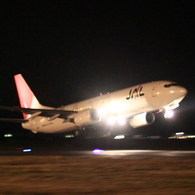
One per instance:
[(79, 133), (110, 134)]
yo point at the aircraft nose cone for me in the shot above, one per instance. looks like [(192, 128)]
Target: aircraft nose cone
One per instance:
[(178, 91), (184, 91)]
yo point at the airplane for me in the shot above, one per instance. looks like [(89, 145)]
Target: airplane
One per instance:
[(134, 105)]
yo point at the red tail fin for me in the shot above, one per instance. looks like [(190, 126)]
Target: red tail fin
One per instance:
[(26, 96)]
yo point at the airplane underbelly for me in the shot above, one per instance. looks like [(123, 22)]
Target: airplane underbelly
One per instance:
[(53, 126)]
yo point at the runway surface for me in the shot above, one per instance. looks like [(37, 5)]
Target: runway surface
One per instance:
[(101, 153)]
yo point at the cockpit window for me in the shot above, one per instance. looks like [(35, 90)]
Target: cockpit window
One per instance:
[(170, 84)]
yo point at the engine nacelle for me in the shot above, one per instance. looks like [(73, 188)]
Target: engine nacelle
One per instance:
[(142, 120), (87, 117)]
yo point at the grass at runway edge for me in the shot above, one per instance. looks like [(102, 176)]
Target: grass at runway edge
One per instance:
[(43, 175)]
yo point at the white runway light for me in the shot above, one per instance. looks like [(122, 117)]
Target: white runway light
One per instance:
[(119, 137), (27, 150), (169, 114), (97, 151)]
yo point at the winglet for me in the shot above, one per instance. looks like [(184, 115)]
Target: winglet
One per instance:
[(26, 96)]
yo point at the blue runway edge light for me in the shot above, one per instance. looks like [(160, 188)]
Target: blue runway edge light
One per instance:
[(26, 150), (97, 151)]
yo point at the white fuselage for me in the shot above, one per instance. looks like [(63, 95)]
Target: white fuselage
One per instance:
[(124, 103)]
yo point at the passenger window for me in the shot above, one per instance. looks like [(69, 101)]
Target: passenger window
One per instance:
[(171, 84), (167, 85)]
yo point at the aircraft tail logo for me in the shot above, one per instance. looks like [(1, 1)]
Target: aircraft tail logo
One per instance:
[(26, 96)]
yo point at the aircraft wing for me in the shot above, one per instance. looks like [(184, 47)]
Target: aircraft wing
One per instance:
[(42, 112), (14, 120)]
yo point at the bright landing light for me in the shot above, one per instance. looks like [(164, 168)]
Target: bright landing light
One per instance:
[(112, 120), (102, 112), (114, 107), (121, 121), (169, 114)]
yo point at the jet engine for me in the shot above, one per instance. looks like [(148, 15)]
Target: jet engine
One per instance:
[(87, 117), (142, 120)]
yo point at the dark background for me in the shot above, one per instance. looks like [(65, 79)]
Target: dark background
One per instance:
[(72, 50)]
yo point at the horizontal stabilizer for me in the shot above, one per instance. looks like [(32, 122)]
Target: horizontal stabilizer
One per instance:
[(13, 120)]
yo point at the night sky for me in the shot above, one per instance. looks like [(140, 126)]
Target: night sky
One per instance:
[(72, 50)]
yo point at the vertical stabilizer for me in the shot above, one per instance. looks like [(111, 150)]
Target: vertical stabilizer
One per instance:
[(26, 96)]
